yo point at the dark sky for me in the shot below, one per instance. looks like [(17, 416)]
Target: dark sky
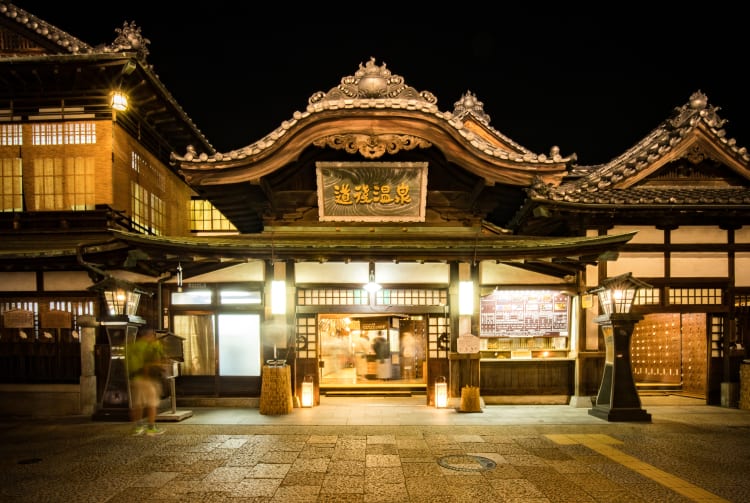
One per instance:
[(590, 82)]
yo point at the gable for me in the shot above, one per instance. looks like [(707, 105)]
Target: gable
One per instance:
[(694, 170), (13, 43)]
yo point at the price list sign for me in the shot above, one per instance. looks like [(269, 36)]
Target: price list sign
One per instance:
[(524, 313)]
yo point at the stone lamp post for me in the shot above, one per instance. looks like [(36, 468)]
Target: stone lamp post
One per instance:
[(618, 398), (121, 325)]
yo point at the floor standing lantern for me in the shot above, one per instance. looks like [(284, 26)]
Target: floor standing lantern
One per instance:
[(121, 325), (308, 392), (618, 398), (441, 393)]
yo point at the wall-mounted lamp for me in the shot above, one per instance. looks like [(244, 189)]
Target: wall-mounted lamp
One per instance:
[(466, 298), (119, 101), (278, 297), (372, 285)]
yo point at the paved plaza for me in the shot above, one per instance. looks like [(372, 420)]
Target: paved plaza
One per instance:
[(386, 450)]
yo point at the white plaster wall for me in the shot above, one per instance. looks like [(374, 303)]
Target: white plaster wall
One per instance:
[(645, 234), (742, 269), (646, 265), (698, 235), (491, 273), (742, 235), (699, 265), (251, 271), (18, 281), (66, 281), (385, 273)]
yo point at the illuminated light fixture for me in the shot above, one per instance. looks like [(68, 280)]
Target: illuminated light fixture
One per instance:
[(466, 298), (308, 392), (119, 101), (441, 393), (616, 295), (278, 297), (372, 286), (617, 399), (122, 297), (179, 277)]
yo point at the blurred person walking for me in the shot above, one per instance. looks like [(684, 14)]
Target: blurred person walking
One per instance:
[(145, 358)]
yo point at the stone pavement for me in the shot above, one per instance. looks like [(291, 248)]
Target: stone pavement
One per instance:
[(386, 450)]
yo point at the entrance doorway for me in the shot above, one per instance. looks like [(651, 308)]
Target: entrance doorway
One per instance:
[(367, 351)]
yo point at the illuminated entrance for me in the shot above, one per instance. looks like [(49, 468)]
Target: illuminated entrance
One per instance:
[(367, 350)]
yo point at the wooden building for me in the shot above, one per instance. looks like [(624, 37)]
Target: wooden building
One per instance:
[(267, 252)]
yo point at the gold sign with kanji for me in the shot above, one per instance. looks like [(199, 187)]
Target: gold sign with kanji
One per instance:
[(372, 191)]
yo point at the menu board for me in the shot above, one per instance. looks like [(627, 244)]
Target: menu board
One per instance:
[(524, 313)]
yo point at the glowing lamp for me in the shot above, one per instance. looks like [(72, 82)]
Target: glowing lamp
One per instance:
[(441, 393), (119, 101), (372, 286), (308, 392)]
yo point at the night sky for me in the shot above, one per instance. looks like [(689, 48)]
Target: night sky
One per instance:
[(592, 83)]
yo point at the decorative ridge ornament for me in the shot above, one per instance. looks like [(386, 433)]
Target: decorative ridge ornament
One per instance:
[(129, 38), (470, 105), (373, 82)]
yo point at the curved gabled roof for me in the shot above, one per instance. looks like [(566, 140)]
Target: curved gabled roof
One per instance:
[(695, 133), (374, 113)]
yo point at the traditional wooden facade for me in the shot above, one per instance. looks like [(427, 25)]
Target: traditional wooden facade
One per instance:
[(371, 181), (684, 188)]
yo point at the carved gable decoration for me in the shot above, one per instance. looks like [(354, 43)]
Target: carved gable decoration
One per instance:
[(13, 44), (694, 170), (372, 146)]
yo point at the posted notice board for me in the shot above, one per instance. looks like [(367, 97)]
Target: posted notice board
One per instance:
[(524, 313)]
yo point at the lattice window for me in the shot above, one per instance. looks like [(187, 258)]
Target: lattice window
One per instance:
[(716, 326), (63, 183), (332, 297), (63, 133), (695, 296), (139, 205), (47, 134), (204, 217), (79, 133), (647, 296), (11, 184), (158, 215), (141, 166), (137, 163), (11, 135), (79, 183), (742, 300), (411, 297), (307, 337), (438, 337)]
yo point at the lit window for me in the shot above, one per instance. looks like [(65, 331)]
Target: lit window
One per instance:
[(234, 296), (192, 297), (204, 217), (11, 185)]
